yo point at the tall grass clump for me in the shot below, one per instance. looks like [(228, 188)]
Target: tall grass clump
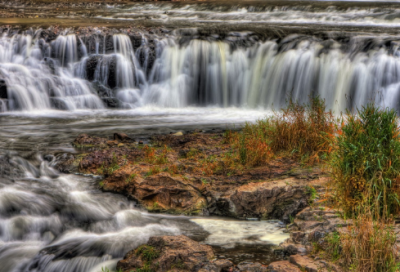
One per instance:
[(305, 131), (366, 246), (365, 164), (253, 147)]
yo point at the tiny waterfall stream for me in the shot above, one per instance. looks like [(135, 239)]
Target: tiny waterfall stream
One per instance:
[(51, 221), (187, 65)]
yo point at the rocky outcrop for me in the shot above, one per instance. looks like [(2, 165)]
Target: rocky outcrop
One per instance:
[(86, 140), (180, 253), (166, 193), (312, 225), (180, 185), (269, 199), (159, 193), (297, 263), (165, 253), (283, 266)]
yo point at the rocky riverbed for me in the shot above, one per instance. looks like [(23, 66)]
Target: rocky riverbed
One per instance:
[(187, 173)]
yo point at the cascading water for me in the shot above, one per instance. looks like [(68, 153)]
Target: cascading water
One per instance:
[(187, 65), (65, 74), (35, 80), (52, 222)]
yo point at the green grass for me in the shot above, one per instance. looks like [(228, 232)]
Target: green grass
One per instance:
[(334, 246), (108, 170), (312, 193), (131, 178), (366, 165), (148, 253)]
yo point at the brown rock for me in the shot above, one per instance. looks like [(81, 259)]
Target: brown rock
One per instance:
[(269, 200), (223, 264), (304, 262), (179, 253), (293, 249), (112, 143), (86, 140), (160, 192), (283, 266), (169, 194), (308, 225), (251, 267), (121, 137), (297, 236)]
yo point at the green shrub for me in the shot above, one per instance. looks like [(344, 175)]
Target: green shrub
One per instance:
[(365, 165)]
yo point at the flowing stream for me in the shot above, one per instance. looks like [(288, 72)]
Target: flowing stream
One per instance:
[(159, 68), (51, 221)]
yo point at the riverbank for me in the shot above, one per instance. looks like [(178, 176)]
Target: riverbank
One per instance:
[(249, 174), (192, 174)]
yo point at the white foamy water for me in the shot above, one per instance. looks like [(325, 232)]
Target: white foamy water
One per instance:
[(371, 13), (52, 222), (228, 234), (74, 73)]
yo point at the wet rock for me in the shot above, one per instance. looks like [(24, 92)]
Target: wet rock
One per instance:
[(110, 102), (3, 90), (9, 168), (263, 200), (179, 253), (91, 65), (291, 248), (58, 103), (223, 264), (86, 140), (160, 192), (304, 262), (283, 266), (65, 163), (121, 137), (251, 267), (103, 91), (104, 64), (179, 133), (220, 194), (312, 225)]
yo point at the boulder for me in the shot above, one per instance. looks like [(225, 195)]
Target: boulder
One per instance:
[(304, 262), (260, 200), (121, 137), (3, 90), (283, 266), (168, 253), (312, 225), (85, 140), (223, 264), (251, 267), (160, 193)]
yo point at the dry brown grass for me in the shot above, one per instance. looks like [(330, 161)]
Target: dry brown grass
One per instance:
[(302, 131), (369, 246)]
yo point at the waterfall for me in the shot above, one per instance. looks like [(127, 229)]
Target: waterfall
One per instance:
[(35, 81), (72, 72)]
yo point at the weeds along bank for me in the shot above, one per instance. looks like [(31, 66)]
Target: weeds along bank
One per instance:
[(271, 169)]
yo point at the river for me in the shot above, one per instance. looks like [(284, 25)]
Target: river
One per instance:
[(158, 67)]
